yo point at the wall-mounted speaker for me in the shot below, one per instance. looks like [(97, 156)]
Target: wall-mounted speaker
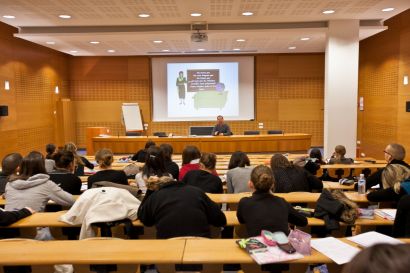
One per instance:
[(4, 110)]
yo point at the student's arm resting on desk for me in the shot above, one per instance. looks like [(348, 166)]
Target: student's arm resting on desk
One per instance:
[(10, 217), (58, 195), (295, 217), (87, 163), (214, 214), (385, 195)]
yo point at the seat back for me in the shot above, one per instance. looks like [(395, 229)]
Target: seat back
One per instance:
[(251, 132), (275, 132)]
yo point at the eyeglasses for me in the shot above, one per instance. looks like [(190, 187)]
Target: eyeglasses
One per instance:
[(387, 153)]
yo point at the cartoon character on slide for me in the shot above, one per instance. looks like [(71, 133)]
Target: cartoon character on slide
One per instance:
[(181, 81)]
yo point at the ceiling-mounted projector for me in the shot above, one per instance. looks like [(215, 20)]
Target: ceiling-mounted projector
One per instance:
[(199, 37)]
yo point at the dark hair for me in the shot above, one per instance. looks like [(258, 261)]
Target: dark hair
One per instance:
[(149, 143), (10, 163), (154, 163), (316, 153), (63, 159), (50, 150), (32, 164), (208, 160), (279, 161), (238, 159), (190, 153), (167, 151), (380, 258), (104, 157), (262, 178), (397, 151)]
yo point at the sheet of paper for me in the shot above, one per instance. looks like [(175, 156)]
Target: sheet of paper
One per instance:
[(372, 237), (335, 249), (389, 214)]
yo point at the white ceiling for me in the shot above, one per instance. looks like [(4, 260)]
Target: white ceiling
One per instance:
[(275, 26)]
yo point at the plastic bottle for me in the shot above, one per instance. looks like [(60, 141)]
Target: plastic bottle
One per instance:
[(361, 189)]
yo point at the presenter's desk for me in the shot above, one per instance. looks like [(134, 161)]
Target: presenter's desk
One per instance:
[(214, 144)]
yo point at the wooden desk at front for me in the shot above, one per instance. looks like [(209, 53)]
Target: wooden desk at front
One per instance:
[(218, 144), (186, 251)]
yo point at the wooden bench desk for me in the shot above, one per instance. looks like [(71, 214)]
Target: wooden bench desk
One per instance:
[(292, 197), (51, 219), (220, 251), (91, 252), (337, 186)]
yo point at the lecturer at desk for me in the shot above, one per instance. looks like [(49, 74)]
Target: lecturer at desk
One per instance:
[(221, 128)]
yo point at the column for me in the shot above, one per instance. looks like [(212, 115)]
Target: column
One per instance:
[(341, 86)]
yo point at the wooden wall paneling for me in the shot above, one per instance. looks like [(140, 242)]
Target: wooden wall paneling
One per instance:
[(65, 122)]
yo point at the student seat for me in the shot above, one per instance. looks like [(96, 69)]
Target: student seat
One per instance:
[(251, 132), (275, 132)]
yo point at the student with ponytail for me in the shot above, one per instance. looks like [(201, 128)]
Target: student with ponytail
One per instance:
[(263, 210)]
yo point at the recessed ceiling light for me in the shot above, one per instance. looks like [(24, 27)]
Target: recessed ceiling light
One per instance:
[(157, 41), (94, 42), (9, 16), (328, 11), (64, 16), (51, 43), (110, 50), (388, 9), (201, 49), (240, 40), (196, 14), (305, 39), (144, 15), (247, 13), (292, 47), (236, 49), (73, 51), (165, 50)]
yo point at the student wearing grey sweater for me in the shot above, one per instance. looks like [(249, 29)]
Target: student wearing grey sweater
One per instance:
[(239, 173), (33, 187)]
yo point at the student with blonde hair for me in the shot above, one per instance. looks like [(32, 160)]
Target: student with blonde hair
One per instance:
[(105, 158), (80, 161)]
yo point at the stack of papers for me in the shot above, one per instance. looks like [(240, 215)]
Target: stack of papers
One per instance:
[(389, 214), (368, 239), (336, 250)]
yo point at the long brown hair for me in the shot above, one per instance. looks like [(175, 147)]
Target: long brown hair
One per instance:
[(262, 178), (32, 164), (70, 146)]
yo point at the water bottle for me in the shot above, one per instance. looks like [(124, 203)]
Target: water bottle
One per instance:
[(362, 184)]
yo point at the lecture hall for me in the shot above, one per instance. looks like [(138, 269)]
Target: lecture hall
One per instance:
[(234, 136)]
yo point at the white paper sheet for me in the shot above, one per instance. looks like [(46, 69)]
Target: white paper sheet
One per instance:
[(370, 238), (335, 249)]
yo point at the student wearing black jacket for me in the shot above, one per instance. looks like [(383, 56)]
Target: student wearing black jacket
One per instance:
[(177, 209), (203, 178), (290, 178), (263, 210), (104, 158), (171, 167), (9, 217), (393, 154), (63, 174)]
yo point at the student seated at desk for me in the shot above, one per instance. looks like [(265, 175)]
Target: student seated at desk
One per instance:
[(9, 165), (63, 175), (239, 173), (80, 161), (264, 210), (396, 183), (50, 151), (190, 161), (141, 155), (290, 178), (203, 178), (394, 154), (170, 165), (154, 166), (312, 162), (177, 209), (338, 156), (104, 158)]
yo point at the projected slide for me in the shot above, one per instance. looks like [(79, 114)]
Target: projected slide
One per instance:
[(202, 89)]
